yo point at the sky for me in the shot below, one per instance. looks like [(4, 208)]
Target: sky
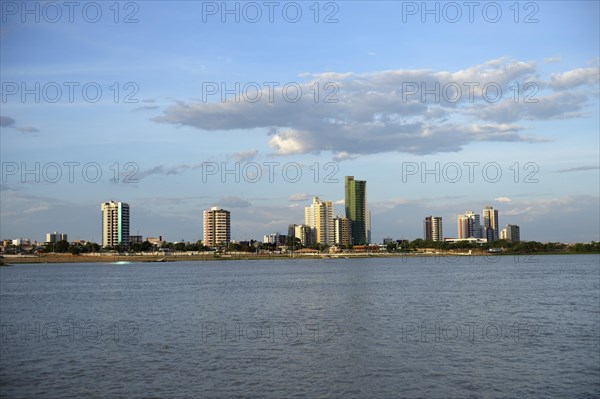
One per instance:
[(256, 107)]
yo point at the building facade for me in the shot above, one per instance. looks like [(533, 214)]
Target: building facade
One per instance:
[(304, 233), (490, 224), (115, 223), (511, 233), (319, 216), (432, 229), (469, 225), (356, 209), (343, 231), (55, 237), (217, 227)]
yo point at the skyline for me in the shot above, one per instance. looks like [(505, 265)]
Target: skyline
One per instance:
[(113, 225), (161, 120)]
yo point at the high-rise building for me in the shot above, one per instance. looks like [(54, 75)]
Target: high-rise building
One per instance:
[(217, 227), (368, 224), (469, 225), (511, 233), (319, 216), (304, 234), (55, 237), (432, 228), (490, 224), (115, 223), (356, 209), (343, 231), (272, 238)]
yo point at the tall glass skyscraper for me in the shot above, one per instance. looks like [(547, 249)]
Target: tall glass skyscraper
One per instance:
[(356, 209)]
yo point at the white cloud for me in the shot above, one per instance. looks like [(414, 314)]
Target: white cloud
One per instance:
[(576, 77), (291, 142), (385, 111), (502, 199), (298, 197)]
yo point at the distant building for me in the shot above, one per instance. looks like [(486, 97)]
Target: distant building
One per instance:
[(156, 241), (115, 223), (272, 238), (511, 233), (133, 239), (432, 228), (217, 227), (490, 224), (356, 209), (343, 231), (469, 225), (368, 223), (388, 240), (305, 234), (319, 216), (472, 240), (55, 237), (21, 241)]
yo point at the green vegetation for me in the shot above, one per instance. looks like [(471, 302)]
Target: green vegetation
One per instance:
[(523, 247)]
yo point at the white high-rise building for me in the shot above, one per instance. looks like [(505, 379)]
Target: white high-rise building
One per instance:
[(115, 223), (55, 237), (217, 227), (272, 238), (319, 216)]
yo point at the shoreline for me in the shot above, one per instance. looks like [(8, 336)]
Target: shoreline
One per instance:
[(7, 260)]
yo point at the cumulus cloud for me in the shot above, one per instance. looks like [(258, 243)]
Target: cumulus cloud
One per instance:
[(502, 199), (576, 77), (353, 114)]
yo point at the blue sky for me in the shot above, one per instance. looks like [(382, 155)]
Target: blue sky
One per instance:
[(371, 58)]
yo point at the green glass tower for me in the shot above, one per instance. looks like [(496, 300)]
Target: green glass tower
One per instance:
[(356, 209)]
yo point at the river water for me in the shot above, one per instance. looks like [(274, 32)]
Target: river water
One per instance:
[(494, 327)]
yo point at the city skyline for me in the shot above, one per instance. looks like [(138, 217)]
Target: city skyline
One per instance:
[(172, 123), (319, 227)]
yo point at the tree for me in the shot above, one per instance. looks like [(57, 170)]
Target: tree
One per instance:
[(180, 246), (76, 249), (61, 246), (233, 247)]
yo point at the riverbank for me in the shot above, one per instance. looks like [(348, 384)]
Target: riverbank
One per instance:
[(179, 257)]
